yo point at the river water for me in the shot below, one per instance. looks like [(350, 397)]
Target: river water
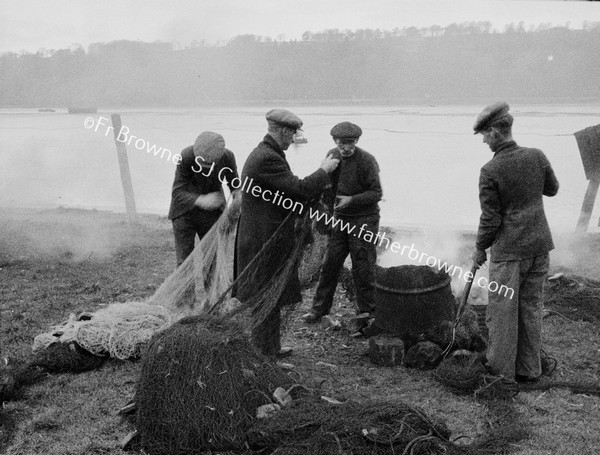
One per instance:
[(429, 158)]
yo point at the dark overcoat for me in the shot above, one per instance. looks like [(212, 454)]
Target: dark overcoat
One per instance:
[(262, 213), (511, 189)]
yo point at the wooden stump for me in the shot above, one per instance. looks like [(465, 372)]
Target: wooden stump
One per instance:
[(386, 351)]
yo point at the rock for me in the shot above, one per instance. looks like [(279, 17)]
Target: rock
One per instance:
[(386, 351), (282, 396), (267, 410), (424, 356), (330, 322), (359, 322)]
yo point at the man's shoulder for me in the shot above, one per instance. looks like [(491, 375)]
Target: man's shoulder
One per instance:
[(187, 152), (262, 151), (367, 159)]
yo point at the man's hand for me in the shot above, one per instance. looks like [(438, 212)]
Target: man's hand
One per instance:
[(329, 164), (342, 201), (211, 201), (479, 257)]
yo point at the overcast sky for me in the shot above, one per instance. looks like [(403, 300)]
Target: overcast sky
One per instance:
[(29, 25)]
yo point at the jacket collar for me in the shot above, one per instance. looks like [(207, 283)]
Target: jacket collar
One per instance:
[(505, 146), (271, 142)]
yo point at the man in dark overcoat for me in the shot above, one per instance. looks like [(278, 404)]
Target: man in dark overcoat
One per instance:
[(513, 224), (267, 185)]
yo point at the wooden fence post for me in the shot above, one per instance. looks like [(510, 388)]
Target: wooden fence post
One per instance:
[(588, 141), (124, 168)]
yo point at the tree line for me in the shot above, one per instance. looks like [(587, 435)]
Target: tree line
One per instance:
[(459, 63)]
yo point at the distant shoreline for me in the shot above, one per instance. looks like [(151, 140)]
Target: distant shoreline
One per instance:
[(339, 102)]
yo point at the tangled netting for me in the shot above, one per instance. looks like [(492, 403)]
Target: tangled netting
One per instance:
[(56, 358), (574, 296), (200, 385), (206, 274), (466, 334), (121, 330), (309, 426), (465, 373), (263, 291), (201, 284)]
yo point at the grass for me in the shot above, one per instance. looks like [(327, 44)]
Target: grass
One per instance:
[(53, 263)]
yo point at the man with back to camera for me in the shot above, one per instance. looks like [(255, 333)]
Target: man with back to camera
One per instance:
[(197, 198), (513, 223), (357, 191), (261, 216)]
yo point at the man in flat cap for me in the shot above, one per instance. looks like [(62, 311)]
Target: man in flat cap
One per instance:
[(513, 224), (355, 193), (197, 198), (262, 215)]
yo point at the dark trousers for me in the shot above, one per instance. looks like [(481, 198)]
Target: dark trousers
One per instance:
[(187, 226), (363, 255), (267, 337)]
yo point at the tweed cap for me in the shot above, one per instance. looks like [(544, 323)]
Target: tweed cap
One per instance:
[(346, 130), (284, 117), (490, 115), (210, 147)]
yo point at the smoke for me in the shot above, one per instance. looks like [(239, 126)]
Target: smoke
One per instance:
[(61, 234)]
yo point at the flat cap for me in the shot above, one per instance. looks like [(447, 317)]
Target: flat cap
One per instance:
[(210, 146), (284, 117), (346, 130), (490, 115)]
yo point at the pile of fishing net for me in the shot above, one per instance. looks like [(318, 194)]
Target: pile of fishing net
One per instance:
[(55, 358), (310, 426), (573, 296), (467, 334), (120, 330), (200, 385), (464, 372), (201, 284)]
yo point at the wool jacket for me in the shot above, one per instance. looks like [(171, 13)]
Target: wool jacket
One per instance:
[(267, 168), (357, 176), (511, 189), (193, 178)]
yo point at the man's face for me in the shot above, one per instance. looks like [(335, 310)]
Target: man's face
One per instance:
[(287, 136), (346, 146), (490, 137)]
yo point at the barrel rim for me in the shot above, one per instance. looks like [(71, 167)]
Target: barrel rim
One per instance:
[(442, 284)]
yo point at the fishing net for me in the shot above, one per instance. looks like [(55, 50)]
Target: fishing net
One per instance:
[(199, 387), (206, 274), (264, 292), (201, 284), (310, 426), (467, 334), (56, 358), (121, 330), (464, 373), (574, 296)]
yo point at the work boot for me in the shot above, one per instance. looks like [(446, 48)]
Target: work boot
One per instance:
[(526, 379), (311, 317)]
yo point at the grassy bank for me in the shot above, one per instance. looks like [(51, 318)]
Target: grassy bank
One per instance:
[(57, 262)]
